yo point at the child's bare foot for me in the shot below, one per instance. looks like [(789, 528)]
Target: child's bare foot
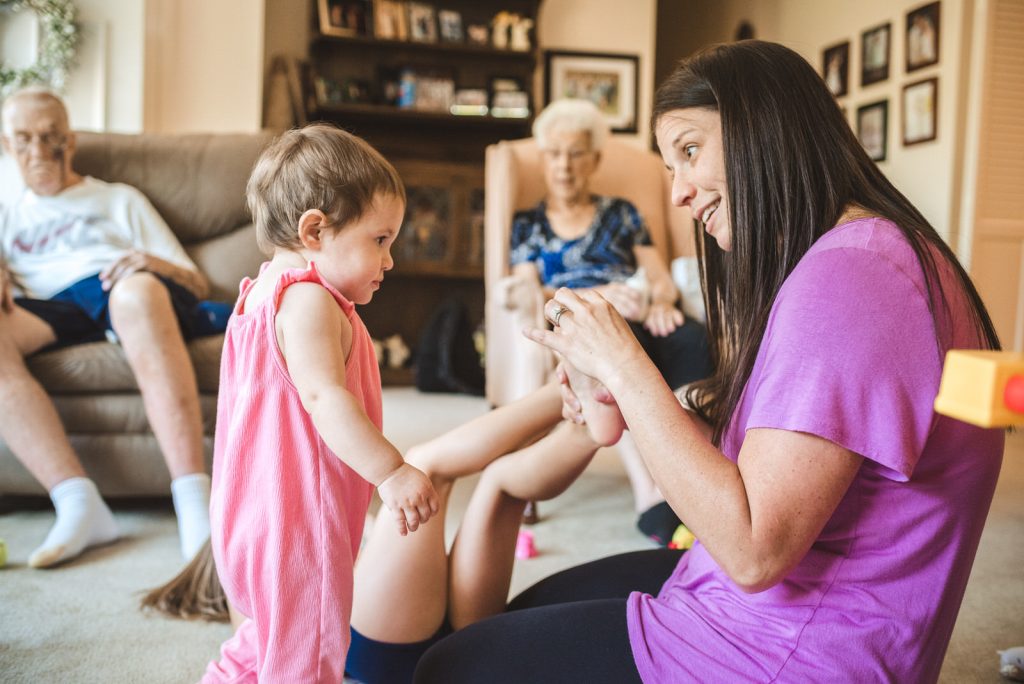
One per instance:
[(604, 420)]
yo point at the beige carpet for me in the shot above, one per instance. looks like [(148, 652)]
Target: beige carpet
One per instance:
[(79, 623)]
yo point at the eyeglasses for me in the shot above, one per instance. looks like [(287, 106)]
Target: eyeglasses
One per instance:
[(573, 155), (50, 141)]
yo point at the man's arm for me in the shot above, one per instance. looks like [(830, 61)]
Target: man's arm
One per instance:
[(135, 261), (6, 293), (156, 249)]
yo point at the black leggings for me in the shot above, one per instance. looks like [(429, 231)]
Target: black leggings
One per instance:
[(570, 627)]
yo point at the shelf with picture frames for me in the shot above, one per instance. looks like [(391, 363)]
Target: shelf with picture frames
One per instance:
[(485, 51), (353, 112), (360, 77)]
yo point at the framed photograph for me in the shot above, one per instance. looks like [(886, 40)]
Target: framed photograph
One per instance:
[(427, 223), (389, 20), (338, 18), (874, 54), (922, 45), (607, 80), (422, 22), (449, 23), (873, 128), (835, 68), (920, 107)]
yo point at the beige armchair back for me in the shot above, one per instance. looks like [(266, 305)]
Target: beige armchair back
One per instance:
[(514, 180)]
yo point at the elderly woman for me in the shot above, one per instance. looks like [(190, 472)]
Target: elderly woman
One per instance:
[(582, 241), (579, 240)]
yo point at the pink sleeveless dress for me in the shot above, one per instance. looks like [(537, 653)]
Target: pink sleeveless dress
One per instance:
[(286, 513)]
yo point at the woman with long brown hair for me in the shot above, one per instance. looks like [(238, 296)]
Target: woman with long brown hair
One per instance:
[(838, 515)]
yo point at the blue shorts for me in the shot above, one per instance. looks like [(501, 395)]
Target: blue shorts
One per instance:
[(81, 312), (378, 662)]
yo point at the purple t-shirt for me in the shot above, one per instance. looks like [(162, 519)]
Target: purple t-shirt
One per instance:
[(850, 355)]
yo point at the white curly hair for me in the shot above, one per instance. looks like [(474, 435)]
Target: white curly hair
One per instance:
[(573, 115)]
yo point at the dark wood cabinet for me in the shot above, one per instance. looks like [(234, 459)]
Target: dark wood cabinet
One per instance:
[(440, 155)]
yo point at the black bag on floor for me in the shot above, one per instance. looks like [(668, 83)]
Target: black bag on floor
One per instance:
[(446, 359)]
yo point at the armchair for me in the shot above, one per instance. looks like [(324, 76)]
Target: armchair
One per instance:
[(514, 180)]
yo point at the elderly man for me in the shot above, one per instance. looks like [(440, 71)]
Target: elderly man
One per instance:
[(93, 259)]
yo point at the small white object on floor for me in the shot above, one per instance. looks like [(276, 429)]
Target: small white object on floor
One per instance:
[(83, 520), (1011, 663), (191, 495)]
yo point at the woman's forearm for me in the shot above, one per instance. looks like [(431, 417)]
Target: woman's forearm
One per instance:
[(701, 485)]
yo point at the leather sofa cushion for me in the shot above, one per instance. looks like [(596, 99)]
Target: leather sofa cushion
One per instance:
[(101, 367), (196, 181)]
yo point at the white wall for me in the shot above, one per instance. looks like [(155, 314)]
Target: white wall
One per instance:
[(930, 173), (104, 90), (604, 26), (204, 66)]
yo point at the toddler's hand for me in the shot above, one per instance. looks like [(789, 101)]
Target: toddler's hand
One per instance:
[(410, 497)]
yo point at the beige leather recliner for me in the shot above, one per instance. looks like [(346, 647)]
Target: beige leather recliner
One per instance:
[(197, 183), (514, 180)]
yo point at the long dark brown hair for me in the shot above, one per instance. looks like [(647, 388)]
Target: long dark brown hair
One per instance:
[(792, 166)]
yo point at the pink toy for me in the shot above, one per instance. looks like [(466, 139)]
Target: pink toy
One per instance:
[(524, 545)]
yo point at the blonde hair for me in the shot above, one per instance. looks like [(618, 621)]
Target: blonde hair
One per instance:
[(194, 593), (315, 167), (575, 116)]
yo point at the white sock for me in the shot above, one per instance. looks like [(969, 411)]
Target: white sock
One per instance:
[(83, 520), (191, 494)]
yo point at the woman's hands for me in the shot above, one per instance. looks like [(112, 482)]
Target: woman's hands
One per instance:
[(591, 335)]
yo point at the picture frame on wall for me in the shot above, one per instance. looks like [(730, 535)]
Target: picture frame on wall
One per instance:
[(922, 37), (875, 46), (389, 20), (873, 128), (835, 68), (422, 22), (343, 18), (920, 111), (608, 80)]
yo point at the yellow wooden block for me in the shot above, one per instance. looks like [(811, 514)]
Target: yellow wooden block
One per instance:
[(972, 387)]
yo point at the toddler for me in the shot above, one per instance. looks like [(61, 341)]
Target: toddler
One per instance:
[(298, 447)]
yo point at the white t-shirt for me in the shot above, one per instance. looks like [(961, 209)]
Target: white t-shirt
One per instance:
[(53, 242)]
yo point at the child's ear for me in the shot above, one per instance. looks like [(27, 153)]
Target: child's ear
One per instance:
[(312, 223)]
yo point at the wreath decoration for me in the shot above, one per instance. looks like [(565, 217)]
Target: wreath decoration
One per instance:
[(60, 36)]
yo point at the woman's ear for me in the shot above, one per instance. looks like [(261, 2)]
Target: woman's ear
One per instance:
[(312, 223), (597, 159)]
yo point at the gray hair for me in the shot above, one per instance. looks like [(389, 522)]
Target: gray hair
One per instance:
[(575, 116), (38, 93)]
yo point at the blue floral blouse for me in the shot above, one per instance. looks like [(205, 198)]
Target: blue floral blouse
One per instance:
[(602, 255)]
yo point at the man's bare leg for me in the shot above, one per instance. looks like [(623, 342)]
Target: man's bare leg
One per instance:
[(30, 426), (143, 318)]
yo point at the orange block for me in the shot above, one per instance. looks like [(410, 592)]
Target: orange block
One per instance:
[(974, 387)]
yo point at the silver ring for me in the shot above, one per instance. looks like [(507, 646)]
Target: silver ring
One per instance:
[(558, 313)]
